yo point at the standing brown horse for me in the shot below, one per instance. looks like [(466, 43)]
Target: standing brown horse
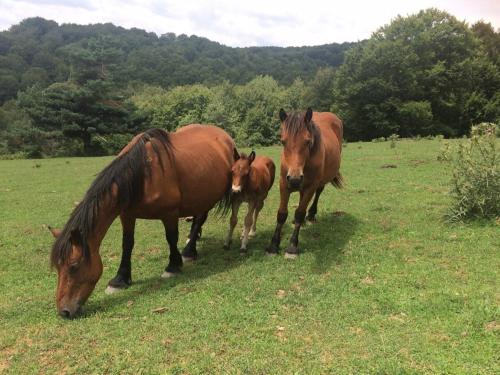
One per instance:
[(253, 177), (312, 145), (158, 175)]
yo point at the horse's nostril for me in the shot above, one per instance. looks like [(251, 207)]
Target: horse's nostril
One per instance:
[(288, 177), (65, 313)]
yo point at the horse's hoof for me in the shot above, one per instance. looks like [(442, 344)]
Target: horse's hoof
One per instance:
[(271, 254), (226, 246), (243, 252), (188, 259), (111, 289), (251, 234), (291, 255), (311, 219), (168, 275)]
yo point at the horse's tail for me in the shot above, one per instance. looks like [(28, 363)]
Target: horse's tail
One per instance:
[(338, 181), (223, 207)]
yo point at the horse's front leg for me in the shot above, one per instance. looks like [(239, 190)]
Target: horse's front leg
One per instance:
[(123, 278), (189, 253), (274, 246), (258, 207), (248, 226), (300, 214), (174, 266), (232, 223)]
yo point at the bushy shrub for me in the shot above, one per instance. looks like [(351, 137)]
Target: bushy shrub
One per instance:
[(444, 152), (379, 139), (476, 176), (393, 138)]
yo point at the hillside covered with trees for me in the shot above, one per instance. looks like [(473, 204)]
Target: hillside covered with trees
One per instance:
[(72, 89), (38, 51)]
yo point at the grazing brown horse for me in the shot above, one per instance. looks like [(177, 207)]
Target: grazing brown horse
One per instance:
[(312, 145), (253, 177), (158, 175)]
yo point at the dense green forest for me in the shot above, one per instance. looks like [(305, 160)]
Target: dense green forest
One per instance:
[(72, 89)]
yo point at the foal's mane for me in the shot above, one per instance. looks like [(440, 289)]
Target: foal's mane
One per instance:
[(295, 122), (128, 172)]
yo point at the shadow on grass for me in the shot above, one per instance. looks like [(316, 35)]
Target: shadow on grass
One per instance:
[(326, 239), (212, 260)]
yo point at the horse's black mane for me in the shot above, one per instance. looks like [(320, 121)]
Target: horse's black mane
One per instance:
[(128, 172), (295, 122)]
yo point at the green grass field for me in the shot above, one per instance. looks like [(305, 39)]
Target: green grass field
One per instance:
[(383, 284)]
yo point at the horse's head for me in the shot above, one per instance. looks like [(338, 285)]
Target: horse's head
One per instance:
[(78, 269), (241, 170), (299, 136)]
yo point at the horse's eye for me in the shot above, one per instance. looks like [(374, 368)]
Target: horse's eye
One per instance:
[(73, 267)]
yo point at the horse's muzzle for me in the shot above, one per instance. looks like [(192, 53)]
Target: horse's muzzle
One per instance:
[(69, 313), (294, 183)]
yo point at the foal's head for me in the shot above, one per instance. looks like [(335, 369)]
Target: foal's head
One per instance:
[(300, 138), (241, 170)]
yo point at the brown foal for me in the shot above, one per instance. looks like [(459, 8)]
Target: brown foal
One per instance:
[(253, 177)]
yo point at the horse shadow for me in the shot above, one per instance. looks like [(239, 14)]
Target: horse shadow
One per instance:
[(326, 239), (212, 259)]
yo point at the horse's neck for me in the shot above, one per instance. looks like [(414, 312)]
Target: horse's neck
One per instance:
[(106, 214)]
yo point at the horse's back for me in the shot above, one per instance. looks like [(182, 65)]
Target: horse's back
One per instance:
[(329, 121), (203, 159), (331, 129)]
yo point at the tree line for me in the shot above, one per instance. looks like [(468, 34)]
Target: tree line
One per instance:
[(423, 74)]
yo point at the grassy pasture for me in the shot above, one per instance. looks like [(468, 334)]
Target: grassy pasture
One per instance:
[(383, 284)]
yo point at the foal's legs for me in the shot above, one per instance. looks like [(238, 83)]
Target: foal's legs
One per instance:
[(248, 225), (232, 223), (123, 278), (258, 207), (311, 214), (189, 253), (171, 225)]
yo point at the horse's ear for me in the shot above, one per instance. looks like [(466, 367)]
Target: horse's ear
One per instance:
[(283, 115), (251, 157), (76, 237), (309, 115), (236, 155), (55, 232)]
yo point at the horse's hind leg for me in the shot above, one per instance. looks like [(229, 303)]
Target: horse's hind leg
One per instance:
[(189, 253), (123, 278), (311, 213), (232, 223), (175, 260)]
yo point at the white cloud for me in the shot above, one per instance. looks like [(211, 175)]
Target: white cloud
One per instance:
[(245, 23)]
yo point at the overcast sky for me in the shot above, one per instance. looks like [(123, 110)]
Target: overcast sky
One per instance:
[(246, 23)]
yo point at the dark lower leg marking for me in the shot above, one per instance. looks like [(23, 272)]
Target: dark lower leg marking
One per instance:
[(311, 214), (294, 240), (190, 251), (123, 278), (175, 258), (274, 246)]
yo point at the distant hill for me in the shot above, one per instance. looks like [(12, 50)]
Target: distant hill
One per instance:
[(39, 51)]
